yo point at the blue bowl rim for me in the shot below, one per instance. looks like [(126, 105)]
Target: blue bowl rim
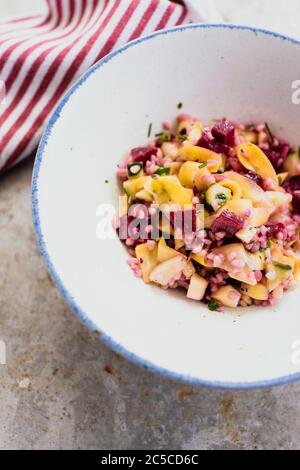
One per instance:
[(117, 347)]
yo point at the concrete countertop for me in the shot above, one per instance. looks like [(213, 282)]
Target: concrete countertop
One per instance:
[(63, 388)]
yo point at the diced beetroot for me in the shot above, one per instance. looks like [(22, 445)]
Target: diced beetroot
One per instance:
[(227, 222), (184, 220), (296, 202), (285, 150), (277, 154), (275, 157), (143, 154), (292, 185), (211, 143), (224, 132), (254, 177)]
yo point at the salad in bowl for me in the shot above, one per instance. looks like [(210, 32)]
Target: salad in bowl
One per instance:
[(213, 210), (209, 208)]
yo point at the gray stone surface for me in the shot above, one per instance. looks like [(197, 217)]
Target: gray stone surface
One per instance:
[(63, 389)]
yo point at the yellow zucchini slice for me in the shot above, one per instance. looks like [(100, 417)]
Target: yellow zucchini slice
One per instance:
[(198, 154), (254, 159)]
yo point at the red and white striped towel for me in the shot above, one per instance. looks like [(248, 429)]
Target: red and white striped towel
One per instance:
[(42, 55)]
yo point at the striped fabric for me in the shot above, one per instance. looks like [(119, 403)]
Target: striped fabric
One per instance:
[(42, 55)]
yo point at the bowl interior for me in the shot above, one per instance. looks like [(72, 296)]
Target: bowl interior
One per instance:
[(214, 71)]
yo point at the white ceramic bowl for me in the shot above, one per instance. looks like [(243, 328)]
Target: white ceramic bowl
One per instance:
[(214, 71)]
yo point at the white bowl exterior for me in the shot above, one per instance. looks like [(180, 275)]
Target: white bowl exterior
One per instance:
[(215, 72)]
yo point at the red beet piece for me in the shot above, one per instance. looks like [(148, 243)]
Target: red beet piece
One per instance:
[(224, 132), (143, 154), (296, 202), (227, 222), (277, 154), (211, 143), (254, 177), (292, 185)]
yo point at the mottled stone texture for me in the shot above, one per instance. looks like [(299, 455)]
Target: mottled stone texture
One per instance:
[(63, 388)]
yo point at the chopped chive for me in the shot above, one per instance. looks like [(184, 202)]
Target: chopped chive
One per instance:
[(269, 132), (213, 305), (161, 171), (202, 165), (284, 267), (149, 129)]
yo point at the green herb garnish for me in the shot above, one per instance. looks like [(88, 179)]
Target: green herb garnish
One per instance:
[(149, 129), (269, 132), (179, 106), (202, 165), (163, 137), (213, 305), (284, 267), (161, 171)]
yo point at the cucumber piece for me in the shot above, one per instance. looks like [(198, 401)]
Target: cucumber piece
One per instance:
[(161, 171), (163, 137), (135, 170), (133, 186), (216, 196), (182, 135)]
